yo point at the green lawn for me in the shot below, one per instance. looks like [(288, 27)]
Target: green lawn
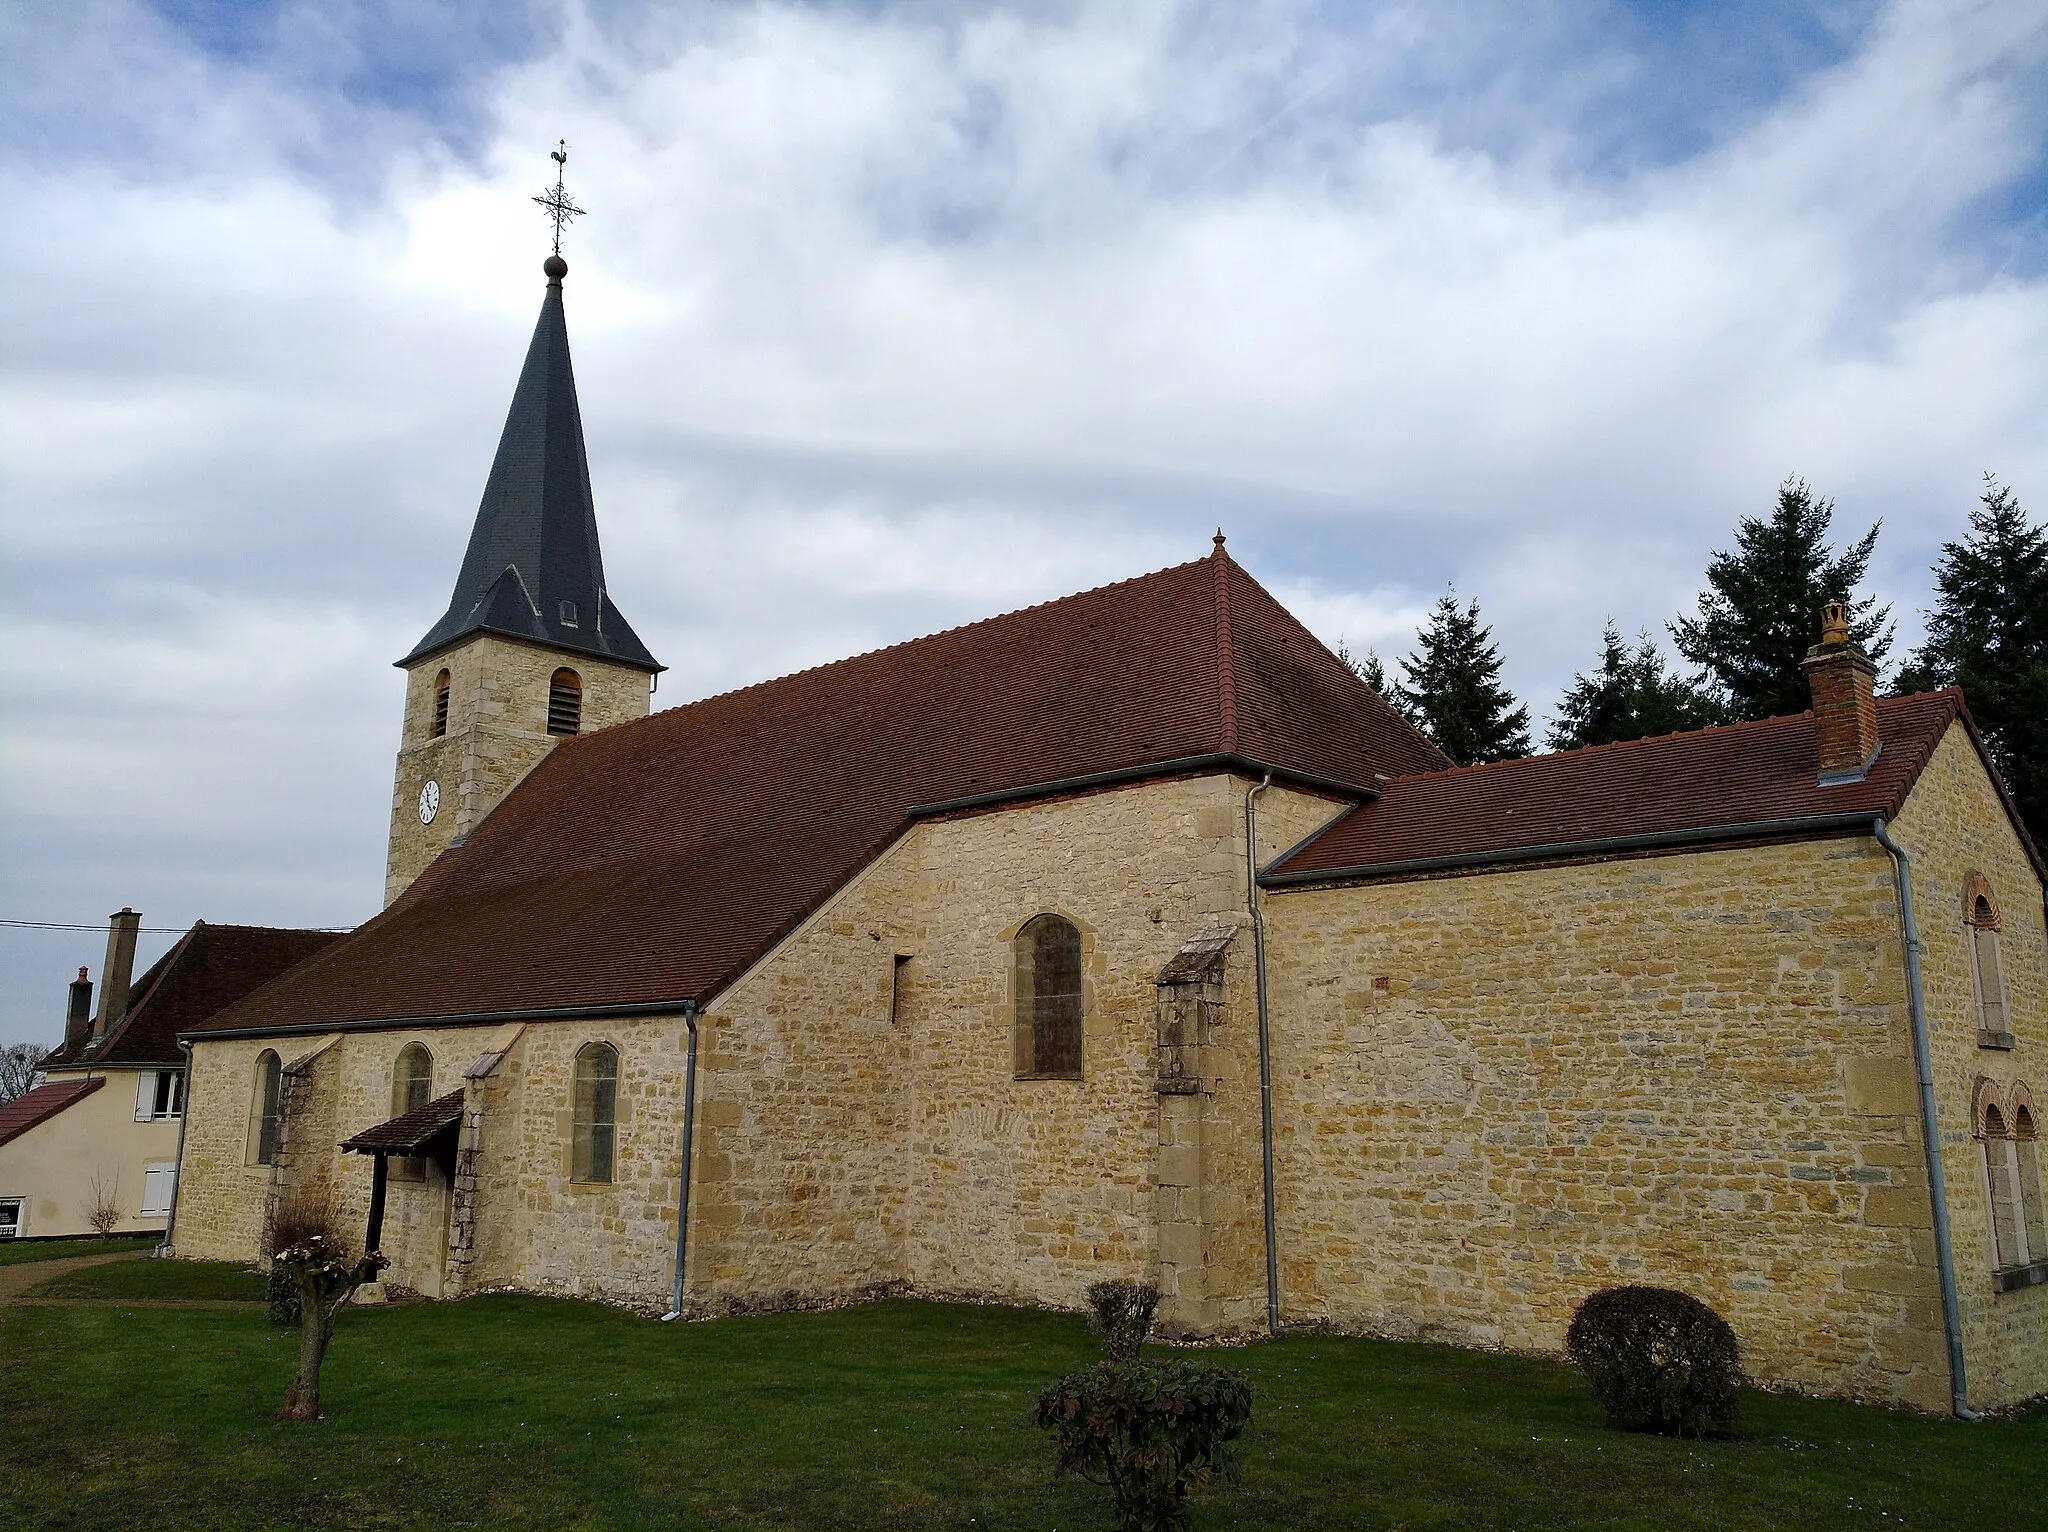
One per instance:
[(514, 1411), (15, 1252), (159, 1279)]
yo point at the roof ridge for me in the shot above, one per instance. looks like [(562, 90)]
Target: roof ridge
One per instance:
[(903, 643), (1226, 680), (1648, 739)]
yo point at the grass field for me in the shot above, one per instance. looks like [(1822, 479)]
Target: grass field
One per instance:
[(514, 1411), (228, 1280), (15, 1252)]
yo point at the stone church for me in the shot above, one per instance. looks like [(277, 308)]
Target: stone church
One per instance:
[(1132, 934)]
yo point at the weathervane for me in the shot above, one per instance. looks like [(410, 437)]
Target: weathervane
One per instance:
[(556, 202)]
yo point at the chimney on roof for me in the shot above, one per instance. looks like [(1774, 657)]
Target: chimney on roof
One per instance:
[(78, 1016), (118, 972), (1844, 682)]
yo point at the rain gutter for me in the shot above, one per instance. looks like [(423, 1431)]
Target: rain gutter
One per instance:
[(675, 1307)]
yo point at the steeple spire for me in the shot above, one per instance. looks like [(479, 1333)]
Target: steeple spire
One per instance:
[(533, 569)]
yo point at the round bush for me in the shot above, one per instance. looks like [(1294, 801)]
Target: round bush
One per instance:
[(1659, 1360)]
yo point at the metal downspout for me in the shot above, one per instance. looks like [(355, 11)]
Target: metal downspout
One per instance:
[(178, 1175), (1251, 885), (675, 1307), (1923, 1067)]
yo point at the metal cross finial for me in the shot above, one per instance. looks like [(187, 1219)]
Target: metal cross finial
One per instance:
[(556, 202)]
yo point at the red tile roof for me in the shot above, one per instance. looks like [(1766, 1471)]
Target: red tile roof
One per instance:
[(1749, 774), (410, 1132), (653, 861), (210, 967), (43, 1103)]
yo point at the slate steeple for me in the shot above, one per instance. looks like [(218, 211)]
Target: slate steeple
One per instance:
[(533, 569)]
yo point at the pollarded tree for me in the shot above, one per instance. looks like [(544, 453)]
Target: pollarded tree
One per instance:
[(1451, 689), (1988, 634), (1631, 696), (1761, 612)]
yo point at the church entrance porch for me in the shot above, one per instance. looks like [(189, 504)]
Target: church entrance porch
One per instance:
[(417, 1200)]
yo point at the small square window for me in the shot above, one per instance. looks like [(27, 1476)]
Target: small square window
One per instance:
[(567, 611)]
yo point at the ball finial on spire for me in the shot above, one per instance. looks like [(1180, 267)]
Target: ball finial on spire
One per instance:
[(556, 269)]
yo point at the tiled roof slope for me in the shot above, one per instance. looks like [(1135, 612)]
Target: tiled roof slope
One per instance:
[(1745, 774), (411, 1131), (43, 1103), (653, 861), (209, 968)]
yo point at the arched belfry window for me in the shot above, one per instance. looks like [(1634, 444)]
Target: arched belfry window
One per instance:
[(565, 702), (441, 704), (1980, 917), (263, 1100), (594, 1145), (412, 1087), (1047, 1035)]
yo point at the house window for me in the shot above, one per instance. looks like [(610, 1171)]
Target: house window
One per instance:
[(441, 704), (412, 1087), (1980, 915), (565, 702), (1047, 1037), (159, 1187), (596, 1112), (263, 1108), (13, 1217), (159, 1095)]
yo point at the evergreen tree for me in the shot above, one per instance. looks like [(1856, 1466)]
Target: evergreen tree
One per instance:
[(1369, 670), (1451, 689), (1988, 633), (1762, 612), (1630, 696)]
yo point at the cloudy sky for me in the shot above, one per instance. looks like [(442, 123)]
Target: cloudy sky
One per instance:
[(888, 317)]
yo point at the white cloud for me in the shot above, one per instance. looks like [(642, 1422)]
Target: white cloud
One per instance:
[(887, 321)]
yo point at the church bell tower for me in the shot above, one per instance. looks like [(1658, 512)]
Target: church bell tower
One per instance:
[(531, 650)]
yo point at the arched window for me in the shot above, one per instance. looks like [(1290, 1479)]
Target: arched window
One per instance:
[(1047, 1034), (441, 704), (263, 1108), (1980, 914), (565, 702), (596, 1133), (2001, 1176), (2027, 1150), (412, 1087)]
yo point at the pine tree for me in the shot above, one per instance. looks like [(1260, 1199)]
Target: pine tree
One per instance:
[(1762, 612), (1629, 697), (1451, 689), (1988, 633), (1369, 670)]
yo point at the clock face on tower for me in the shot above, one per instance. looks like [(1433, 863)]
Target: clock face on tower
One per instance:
[(430, 802)]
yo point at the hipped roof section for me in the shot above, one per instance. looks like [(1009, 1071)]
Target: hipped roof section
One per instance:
[(653, 862), (209, 967), (1747, 775)]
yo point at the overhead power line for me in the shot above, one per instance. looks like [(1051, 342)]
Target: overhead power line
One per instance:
[(63, 925)]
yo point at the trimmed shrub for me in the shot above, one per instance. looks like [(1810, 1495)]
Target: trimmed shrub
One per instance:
[(1659, 1360), (1123, 1312), (1152, 1432), (284, 1298)]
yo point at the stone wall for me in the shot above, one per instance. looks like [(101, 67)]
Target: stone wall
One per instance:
[(1497, 1093), (1953, 826), (497, 731)]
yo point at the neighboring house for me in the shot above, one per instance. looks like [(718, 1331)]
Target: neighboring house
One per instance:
[(105, 1130), (1131, 934)]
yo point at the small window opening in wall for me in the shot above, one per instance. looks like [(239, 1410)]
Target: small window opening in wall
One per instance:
[(594, 1127), (1993, 1029), (565, 702), (160, 1094), (264, 1108), (1047, 1039), (566, 610), (441, 704), (896, 981)]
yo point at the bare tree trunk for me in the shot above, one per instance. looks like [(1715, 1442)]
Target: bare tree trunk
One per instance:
[(316, 1328)]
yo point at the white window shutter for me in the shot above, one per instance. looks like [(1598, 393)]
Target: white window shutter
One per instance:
[(145, 1095), (158, 1183)]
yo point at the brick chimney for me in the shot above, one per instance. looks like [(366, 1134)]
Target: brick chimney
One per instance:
[(1844, 682), (78, 1016), (118, 972)]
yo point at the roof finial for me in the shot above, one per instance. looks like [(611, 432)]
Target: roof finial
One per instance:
[(1219, 539), (560, 209)]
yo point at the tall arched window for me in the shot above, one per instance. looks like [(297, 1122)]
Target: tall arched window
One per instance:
[(2008, 1240), (441, 704), (2027, 1149), (565, 702), (595, 1143), (1047, 1034), (1980, 914), (412, 1087), (263, 1108)]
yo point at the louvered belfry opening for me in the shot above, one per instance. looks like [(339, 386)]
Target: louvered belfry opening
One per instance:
[(565, 702), (441, 704)]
